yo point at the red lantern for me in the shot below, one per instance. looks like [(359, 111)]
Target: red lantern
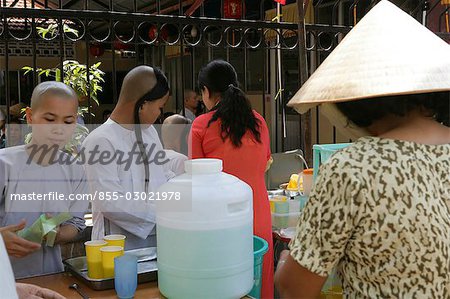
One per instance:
[(119, 45), (233, 9), (153, 33), (96, 50)]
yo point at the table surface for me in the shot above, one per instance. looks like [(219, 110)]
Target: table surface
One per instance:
[(61, 282)]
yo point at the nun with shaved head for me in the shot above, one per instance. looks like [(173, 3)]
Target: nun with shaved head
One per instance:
[(30, 173), (122, 160)]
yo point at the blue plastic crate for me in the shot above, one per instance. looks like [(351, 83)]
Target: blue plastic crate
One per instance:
[(322, 152)]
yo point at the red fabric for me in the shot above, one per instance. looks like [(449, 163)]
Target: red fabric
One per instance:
[(248, 163), (282, 2)]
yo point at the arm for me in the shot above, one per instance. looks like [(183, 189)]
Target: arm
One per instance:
[(295, 281), (196, 140), (175, 165), (69, 230), (324, 229), (66, 233), (265, 139), (103, 178), (15, 245)]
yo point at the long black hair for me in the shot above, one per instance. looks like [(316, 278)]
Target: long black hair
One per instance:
[(160, 89), (234, 109)]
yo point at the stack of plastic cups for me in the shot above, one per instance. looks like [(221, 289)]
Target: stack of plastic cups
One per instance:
[(281, 207)]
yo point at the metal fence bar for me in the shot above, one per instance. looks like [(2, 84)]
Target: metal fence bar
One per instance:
[(7, 85), (182, 72), (61, 44), (87, 53), (135, 37), (245, 68), (34, 63), (113, 52)]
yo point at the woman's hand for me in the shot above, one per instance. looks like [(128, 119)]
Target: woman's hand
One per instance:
[(30, 291), (269, 163), (15, 245)]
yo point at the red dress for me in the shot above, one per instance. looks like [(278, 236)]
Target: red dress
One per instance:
[(248, 163)]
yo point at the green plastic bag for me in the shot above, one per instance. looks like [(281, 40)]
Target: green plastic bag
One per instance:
[(44, 227)]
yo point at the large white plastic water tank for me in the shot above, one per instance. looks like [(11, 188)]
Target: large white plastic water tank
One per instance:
[(208, 251)]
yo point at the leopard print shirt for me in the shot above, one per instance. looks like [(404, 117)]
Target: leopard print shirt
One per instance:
[(379, 212)]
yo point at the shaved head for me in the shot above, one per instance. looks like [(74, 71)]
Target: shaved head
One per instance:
[(52, 88), (173, 131), (136, 84), (177, 119)]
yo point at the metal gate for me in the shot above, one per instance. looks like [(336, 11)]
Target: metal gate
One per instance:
[(263, 46)]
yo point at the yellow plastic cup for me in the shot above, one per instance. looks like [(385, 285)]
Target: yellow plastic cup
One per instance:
[(108, 255), (115, 240), (94, 258)]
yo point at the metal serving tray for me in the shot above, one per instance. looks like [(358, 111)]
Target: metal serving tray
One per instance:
[(147, 269)]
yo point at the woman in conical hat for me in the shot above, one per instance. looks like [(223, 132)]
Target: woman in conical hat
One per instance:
[(379, 211)]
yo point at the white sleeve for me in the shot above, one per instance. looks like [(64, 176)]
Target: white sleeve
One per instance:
[(176, 163), (170, 168), (137, 217), (78, 208), (7, 282)]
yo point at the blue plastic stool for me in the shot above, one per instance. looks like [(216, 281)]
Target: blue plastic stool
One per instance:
[(322, 152)]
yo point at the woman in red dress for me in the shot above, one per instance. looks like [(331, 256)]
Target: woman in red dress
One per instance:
[(237, 135)]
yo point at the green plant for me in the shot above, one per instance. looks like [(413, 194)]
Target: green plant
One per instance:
[(76, 75), (52, 30)]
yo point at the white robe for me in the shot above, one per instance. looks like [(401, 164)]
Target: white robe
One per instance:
[(20, 177), (7, 282), (135, 219), (188, 114), (177, 161)]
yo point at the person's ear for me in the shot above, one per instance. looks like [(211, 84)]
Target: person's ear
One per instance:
[(29, 115), (141, 106), (206, 92)]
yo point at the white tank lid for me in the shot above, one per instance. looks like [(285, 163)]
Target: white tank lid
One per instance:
[(203, 166)]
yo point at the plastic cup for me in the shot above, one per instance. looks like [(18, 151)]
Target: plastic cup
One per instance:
[(125, 275), (307, 181), (115, 240), (94, 258), (282, 211), (108, 255)]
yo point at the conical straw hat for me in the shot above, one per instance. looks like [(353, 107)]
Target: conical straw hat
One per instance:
[(386, 53)]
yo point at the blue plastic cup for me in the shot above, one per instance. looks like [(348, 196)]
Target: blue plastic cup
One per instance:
[(125, 276)]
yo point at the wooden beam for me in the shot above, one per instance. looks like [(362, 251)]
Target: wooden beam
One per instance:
[(306, 132), (176, 7), (194, 7), (70, 3)]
